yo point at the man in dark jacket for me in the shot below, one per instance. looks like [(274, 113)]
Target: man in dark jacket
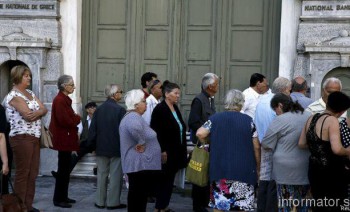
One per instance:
[(104, 136), (202, 108)]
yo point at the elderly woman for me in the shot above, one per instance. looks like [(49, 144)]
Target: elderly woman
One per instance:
[(24, 111), (63, 127), (167, 122), (234, 156), (140, 151), (290, 163), (321, 135)]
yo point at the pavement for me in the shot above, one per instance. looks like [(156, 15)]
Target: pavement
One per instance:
[(83, 190)]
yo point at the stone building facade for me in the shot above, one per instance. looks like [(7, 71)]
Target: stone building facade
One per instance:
[(298, 37)]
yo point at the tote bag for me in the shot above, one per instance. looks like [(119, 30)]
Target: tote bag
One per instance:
[(197, 171), (46, 138)]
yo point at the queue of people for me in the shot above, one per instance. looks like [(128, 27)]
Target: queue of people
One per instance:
[(273, 142)]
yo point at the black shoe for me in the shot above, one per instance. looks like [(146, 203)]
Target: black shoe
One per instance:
[(99, 207), (54, 174), (34, 210), (116, 207), (62, 204), (69, 200)]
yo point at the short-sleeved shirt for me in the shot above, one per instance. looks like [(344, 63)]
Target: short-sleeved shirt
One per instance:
[(251, 99), (18, 124), (290, 163), (319, 106)]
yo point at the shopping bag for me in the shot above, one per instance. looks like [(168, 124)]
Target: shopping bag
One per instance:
[(197, 171), (46, 138)]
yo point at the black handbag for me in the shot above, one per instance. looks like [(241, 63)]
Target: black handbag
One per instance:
[(11, 202)]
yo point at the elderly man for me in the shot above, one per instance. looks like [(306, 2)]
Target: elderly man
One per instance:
[(299, 88), (267, 194), (329, 86), (104, 135), (201, 108), (258, 86)]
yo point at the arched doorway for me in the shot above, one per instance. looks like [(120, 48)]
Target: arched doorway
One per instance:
[(5, 81)]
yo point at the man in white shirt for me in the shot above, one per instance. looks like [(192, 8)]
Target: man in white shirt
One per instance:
[(153, 99), (329, 86), (258, 86)]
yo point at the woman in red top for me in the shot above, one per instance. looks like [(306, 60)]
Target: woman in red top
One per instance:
[(63, 127)]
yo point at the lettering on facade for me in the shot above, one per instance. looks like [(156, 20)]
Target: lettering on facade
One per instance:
[(325, 9), (27, 6)]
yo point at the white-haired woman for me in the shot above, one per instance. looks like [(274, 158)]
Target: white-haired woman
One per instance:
[(140, 151), (234, 156), (63, 127)]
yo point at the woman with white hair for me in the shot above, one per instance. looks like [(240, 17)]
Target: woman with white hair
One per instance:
[(234, 156), (63, 127), (140, 151)]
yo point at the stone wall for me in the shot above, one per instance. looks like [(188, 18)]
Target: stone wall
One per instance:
[(323, 42)]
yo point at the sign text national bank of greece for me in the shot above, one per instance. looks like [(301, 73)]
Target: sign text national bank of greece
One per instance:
[(324, 9), (48, 8)]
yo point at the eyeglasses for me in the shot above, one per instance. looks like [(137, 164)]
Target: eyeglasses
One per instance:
[(70, 85), (121, 92)]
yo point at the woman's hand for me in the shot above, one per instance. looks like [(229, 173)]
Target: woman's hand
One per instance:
[(5, 169), (140, 148), (164, 157)]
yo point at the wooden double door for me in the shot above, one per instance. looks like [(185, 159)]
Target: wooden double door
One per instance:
[(180, 40)]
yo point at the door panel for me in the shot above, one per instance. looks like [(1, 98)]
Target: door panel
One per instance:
[(180, 40), (109, 46)]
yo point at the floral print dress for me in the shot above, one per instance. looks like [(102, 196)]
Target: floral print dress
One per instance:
[(229, 195)]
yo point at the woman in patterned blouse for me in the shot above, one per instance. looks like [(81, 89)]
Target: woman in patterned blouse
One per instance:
[(24, 111)]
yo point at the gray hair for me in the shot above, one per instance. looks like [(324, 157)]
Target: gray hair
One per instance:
[(111, 89), (62, 81), (132, 98), (234, 100), (330, 80), (208, 79), (280, 84)]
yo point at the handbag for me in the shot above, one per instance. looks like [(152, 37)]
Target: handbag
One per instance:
[(46, 138), (197, 171), (11, 202)]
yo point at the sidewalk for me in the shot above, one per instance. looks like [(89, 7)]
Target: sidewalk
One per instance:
[(83, 190)]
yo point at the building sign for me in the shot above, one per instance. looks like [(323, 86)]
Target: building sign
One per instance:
[(48, 8), (326, 9)]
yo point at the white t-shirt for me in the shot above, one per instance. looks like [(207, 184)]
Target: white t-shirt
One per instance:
[(18, 124), (251, 99)]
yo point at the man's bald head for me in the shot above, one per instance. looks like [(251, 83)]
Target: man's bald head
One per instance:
[(299, 84)]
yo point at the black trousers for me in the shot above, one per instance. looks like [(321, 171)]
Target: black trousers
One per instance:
[(165, 188), (5, 178), (63, 175), (200, 196), (267, 196), (140, 185)]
